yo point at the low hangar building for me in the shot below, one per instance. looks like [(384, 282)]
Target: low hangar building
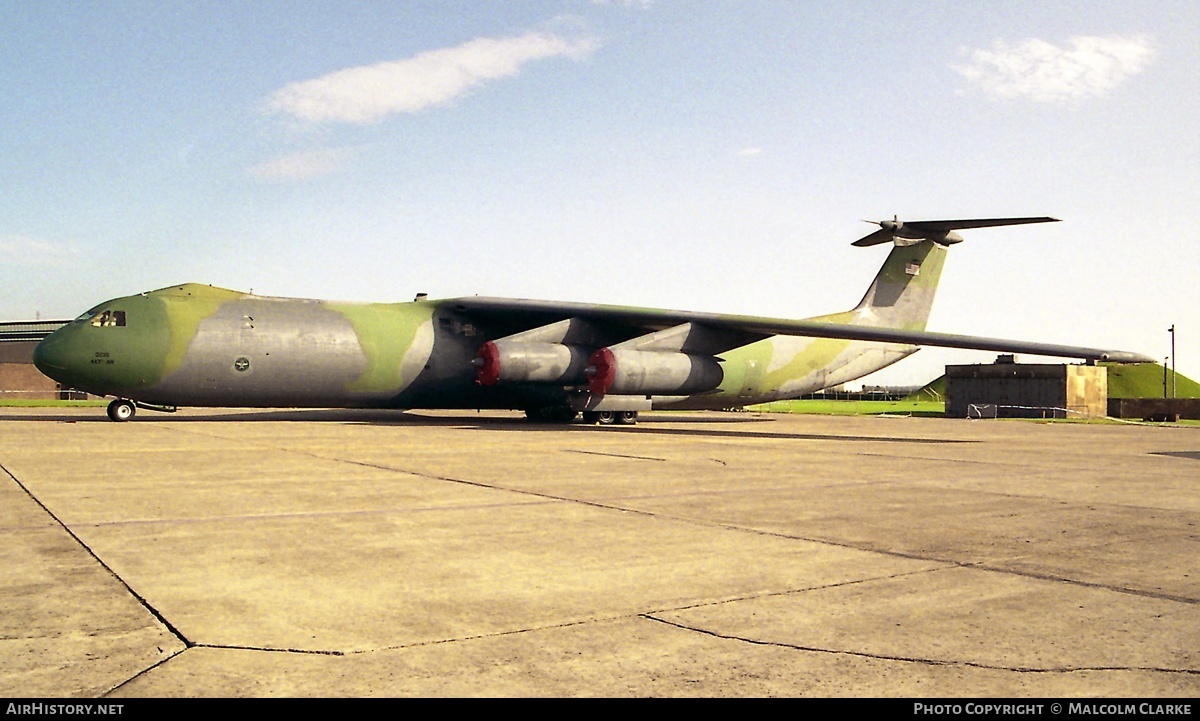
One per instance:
[(19, 379), (1007, 389)]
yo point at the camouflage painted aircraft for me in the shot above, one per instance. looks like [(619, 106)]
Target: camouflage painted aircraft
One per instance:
[(196, 345)]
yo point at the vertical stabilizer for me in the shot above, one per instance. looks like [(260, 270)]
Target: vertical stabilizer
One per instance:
[(901, 295)]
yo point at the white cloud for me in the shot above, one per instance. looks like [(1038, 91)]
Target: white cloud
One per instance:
[(1086, 66), (302, 165), (750, 151), (21, 250), (370, 93)]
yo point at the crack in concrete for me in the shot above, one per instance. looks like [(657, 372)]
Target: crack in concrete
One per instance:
[(744, 529), (99, 561), (910, 659), (143, 672), (552, 626), (653, 616), (650, 616), (268, 649), (612, 455), (154, 612)]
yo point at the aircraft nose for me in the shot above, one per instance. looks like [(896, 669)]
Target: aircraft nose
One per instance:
[(55, 356)]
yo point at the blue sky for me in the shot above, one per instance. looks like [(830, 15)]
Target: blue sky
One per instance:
[(712, 156)]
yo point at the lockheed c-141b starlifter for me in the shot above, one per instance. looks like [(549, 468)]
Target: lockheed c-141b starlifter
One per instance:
[(196, 345)]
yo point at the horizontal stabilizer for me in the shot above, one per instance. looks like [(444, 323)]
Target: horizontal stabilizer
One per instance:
[(939, 231)]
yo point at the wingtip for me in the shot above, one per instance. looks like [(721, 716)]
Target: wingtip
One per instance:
[(1120, 356)]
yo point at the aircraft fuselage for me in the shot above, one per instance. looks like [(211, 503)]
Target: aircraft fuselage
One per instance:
[(195, 345)]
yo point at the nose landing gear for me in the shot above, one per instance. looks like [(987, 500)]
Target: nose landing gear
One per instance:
[(121, 410)]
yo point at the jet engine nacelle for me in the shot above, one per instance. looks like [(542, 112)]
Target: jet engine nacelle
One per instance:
[(633, 372), (517, 362)]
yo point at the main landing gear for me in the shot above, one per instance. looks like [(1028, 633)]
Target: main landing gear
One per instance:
[(606, 418), (563, 414), (121, 410)]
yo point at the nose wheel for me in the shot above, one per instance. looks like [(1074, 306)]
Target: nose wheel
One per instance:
[(121, 410)]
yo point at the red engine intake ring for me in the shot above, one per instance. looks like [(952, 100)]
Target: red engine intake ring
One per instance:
[(602, 371), (487, 365)]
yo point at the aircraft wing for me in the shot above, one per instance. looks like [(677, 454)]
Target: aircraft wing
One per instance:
[(520, 314)]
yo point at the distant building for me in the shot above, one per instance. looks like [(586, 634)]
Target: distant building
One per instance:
[(1155, 409), (1019, 390), (19, 378)]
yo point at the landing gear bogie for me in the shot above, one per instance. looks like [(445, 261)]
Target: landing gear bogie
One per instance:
[(605, 418)]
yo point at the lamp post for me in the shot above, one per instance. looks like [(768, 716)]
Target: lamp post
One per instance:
[(1171, 330)]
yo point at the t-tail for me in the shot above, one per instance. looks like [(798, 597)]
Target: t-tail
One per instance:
[(901, 295)]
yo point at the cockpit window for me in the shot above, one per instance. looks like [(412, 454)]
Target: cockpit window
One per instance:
[(109, 319)]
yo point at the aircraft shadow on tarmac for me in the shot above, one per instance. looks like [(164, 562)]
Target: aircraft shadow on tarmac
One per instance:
[(732, 434), (373, 416), (654, 425), (382, 417)]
